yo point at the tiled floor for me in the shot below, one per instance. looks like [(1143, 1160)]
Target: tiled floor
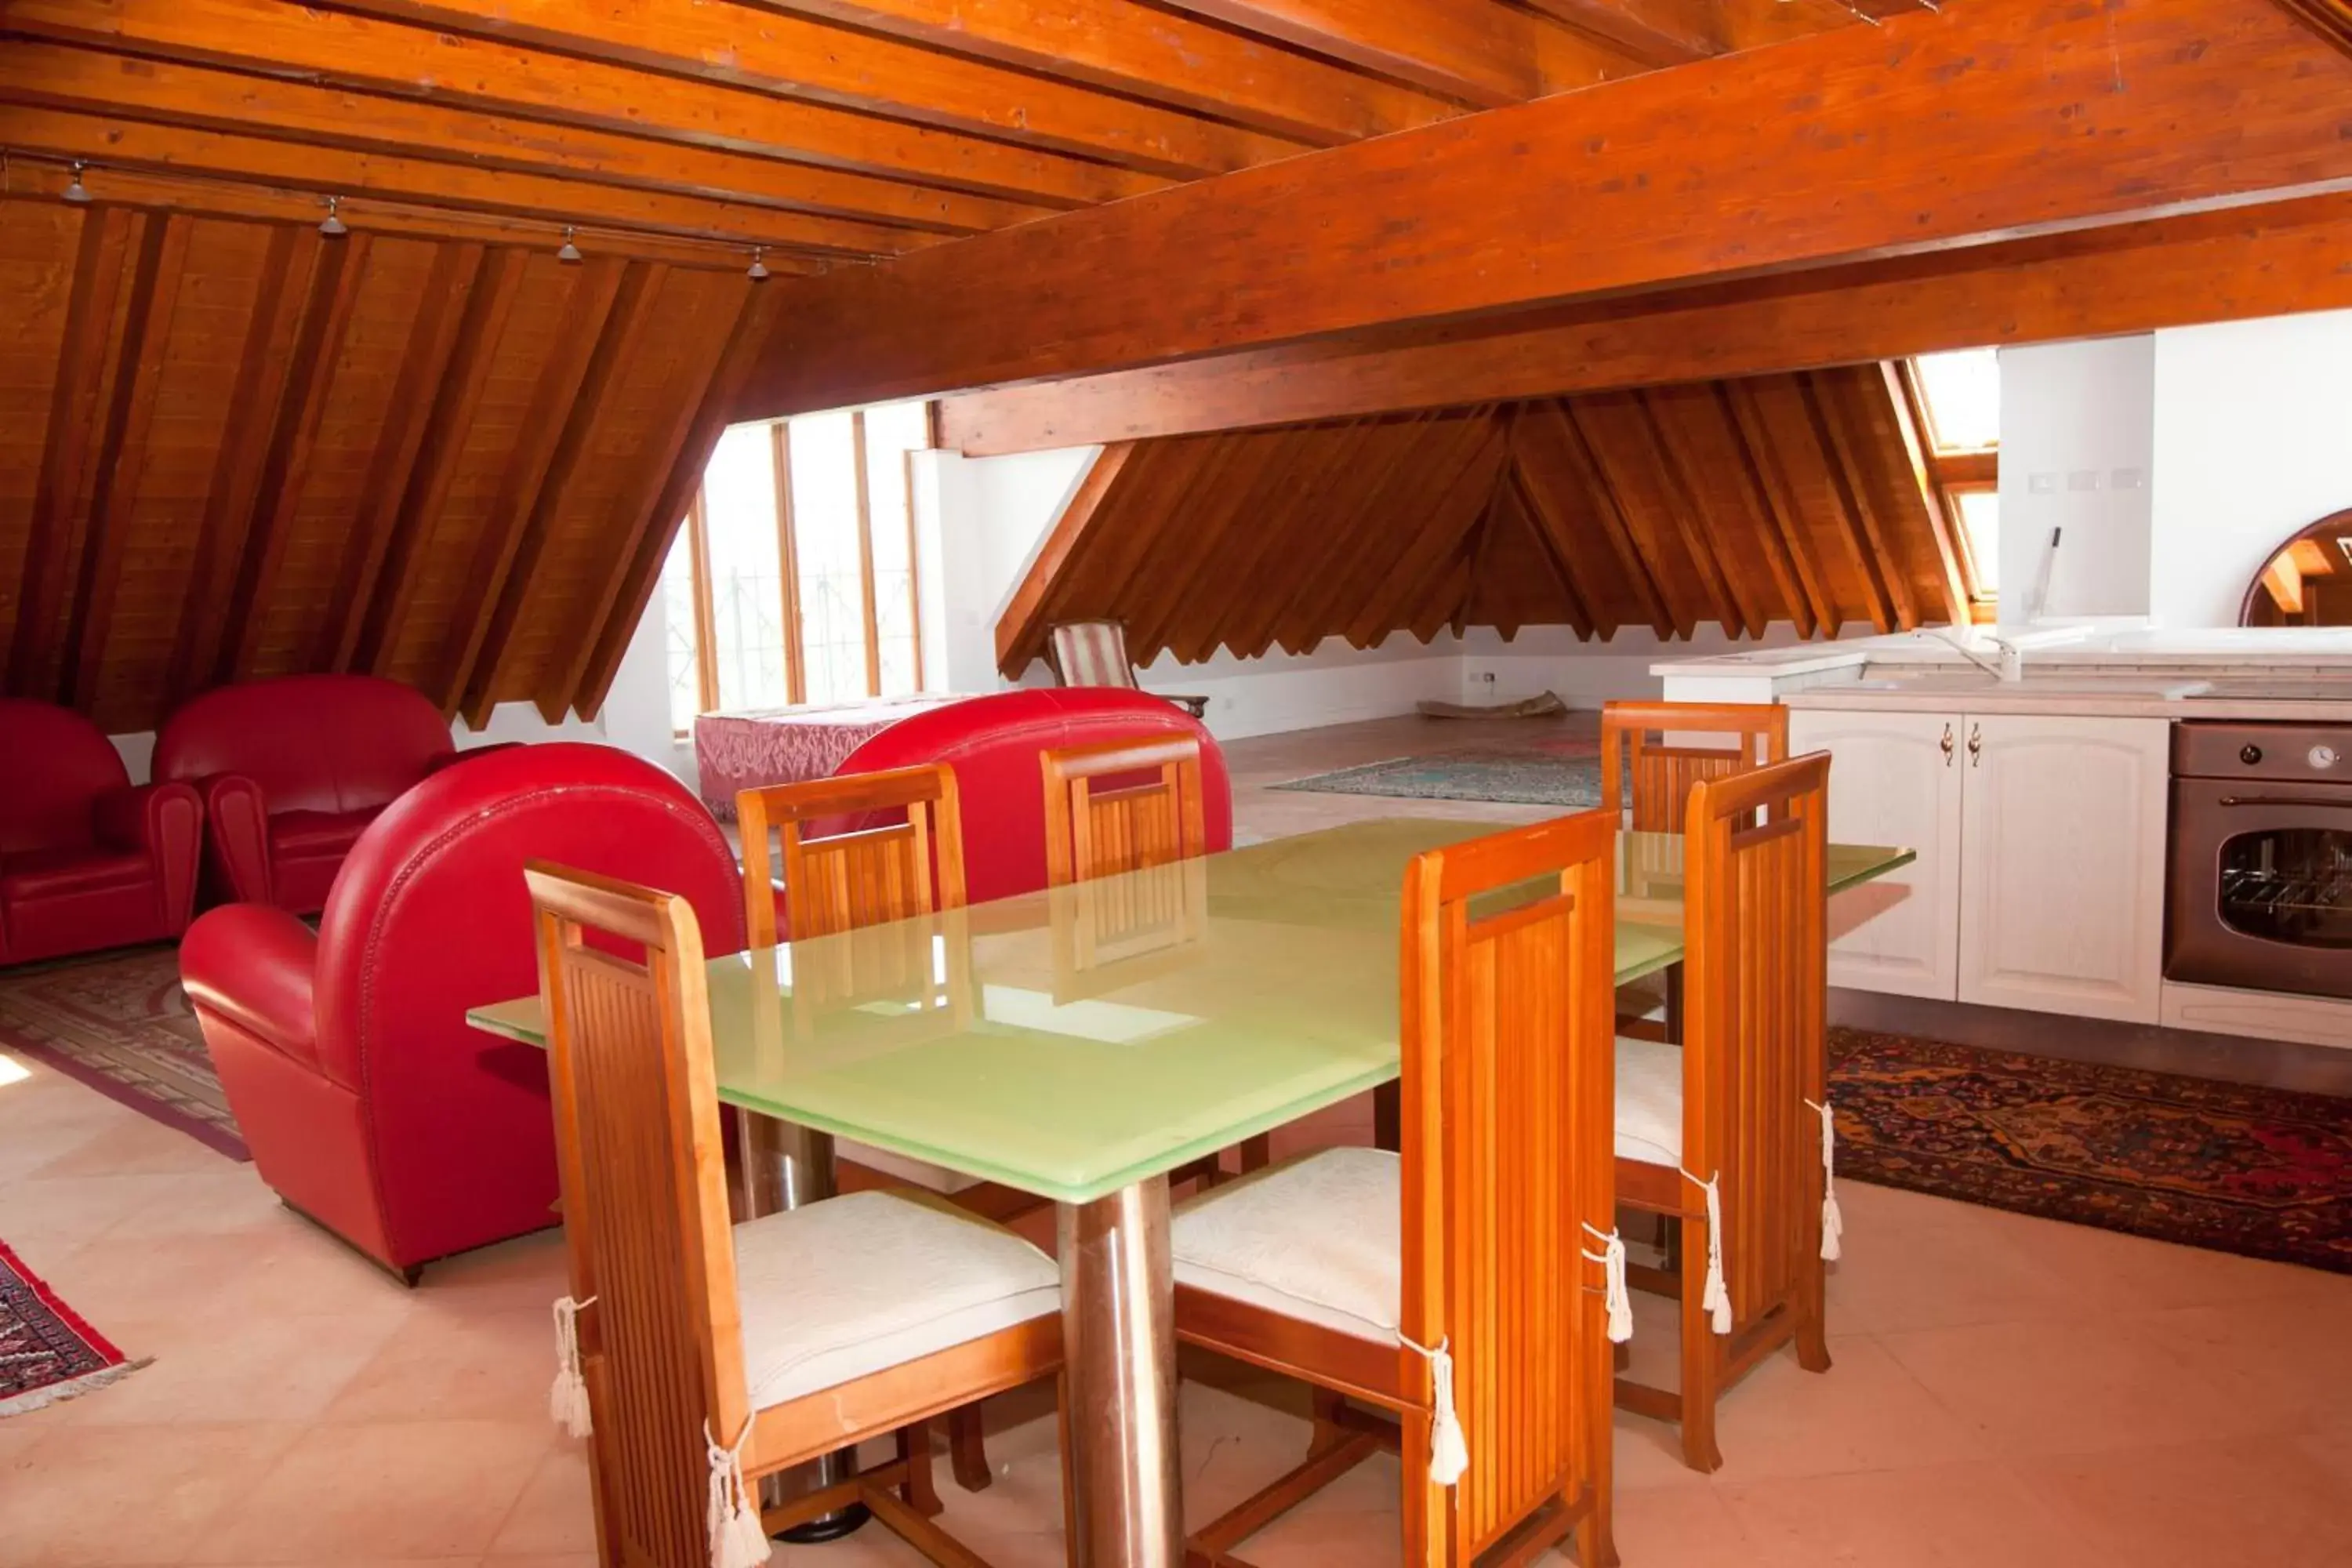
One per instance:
[(2008, 1392)]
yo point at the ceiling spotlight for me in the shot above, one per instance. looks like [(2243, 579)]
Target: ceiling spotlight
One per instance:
[(567, 251), (758, 267), (333, 226), (76, 192)]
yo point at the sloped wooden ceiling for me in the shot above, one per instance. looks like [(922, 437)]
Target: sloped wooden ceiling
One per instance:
[(1736, 504), (231, 446)]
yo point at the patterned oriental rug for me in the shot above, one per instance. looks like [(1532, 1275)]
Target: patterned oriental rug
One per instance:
[(121, 1023), (2259, 1172), (1564, 772), (47, 1353)]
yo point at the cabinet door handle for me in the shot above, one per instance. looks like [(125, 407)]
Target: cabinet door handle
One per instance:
[(1975, 745), (1947, 746)]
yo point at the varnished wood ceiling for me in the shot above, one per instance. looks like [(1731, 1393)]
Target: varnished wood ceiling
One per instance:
[(1736, 503)]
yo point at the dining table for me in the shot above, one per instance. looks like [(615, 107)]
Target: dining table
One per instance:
[(1081, 1043)]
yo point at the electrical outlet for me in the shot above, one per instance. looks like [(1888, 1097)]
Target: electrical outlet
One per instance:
[(1486, 676)]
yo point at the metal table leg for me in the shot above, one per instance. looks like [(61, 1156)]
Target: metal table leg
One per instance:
[(782, 1167), (1119, 1330)]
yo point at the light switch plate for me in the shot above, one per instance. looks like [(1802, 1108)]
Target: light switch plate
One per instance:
[(2042, 484)]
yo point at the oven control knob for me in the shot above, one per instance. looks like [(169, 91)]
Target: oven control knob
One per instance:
[(2323, 756), (2249, 754)]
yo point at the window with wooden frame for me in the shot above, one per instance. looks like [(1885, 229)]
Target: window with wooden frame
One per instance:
[(1955, 400), (792, 578)]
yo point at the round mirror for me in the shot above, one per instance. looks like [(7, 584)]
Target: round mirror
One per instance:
[(2307, 582)]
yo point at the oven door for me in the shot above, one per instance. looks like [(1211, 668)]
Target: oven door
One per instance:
[(2260, 886)]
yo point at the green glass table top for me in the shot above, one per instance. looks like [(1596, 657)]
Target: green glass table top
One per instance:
[(1071, 1042)]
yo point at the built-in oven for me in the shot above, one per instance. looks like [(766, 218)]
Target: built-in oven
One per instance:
[(2258, 890)]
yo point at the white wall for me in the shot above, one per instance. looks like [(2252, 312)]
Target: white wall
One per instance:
[(1587, 674), (2077, 450), (2254, 421)]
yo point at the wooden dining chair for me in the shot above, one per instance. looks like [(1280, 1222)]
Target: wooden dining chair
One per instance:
[(1121, 804), (858, 879), (1652, 753), (844, 881), (1124, 804), (1467, 1284), (697, 1356), (1730, 1134)]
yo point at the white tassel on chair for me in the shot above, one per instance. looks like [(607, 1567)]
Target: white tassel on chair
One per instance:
[(1449, 1454), (1716, 1301), (567, 1400), (1612, 1259), (732, 1513), (1833, 1222)]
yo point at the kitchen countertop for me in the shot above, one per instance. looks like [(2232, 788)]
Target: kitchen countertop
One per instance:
[(2287, 675)]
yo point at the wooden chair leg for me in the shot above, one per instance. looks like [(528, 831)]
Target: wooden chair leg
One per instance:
[(922, 1494), (1069, 1479), (1812, 1328), (1330, 1431), (968, 1450), (1257, 1152), (1699, 1357)]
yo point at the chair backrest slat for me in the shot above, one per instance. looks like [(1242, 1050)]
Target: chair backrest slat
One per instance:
[(645, 1200), (1649, 760), (844, 880), (1754, 1047), (1509, 1151), (1147, 809)]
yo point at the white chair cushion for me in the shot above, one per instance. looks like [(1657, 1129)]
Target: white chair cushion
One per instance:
[(851, 1286), (1649, 1101), (1318, 1239)]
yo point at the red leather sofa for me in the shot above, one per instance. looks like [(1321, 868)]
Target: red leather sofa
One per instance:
[(86, 861), (292, 771), (368, 1102), (992, 743)]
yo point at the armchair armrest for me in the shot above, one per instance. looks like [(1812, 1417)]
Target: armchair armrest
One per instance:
[(254, 966), (237, 815), (167, 821)]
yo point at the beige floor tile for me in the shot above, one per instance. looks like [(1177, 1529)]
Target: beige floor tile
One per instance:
[(1867, 1413), (280, 1369), (555, 1513), (2266, 1501), (2070, 1387), (443, 1360), (117, 1495), (410, 1489), (1937, 1516), (1684, 1527), (135, 1147)]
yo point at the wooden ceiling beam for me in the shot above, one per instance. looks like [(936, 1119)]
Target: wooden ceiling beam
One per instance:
[(407, 518), (123, 451), (1406, 507), (783, 56), (318, 348), (1020, 631), (1881, 564), (362, 54), (588, 312), (1554, 459), (256, 393), (1220, 596), (2229, 100), (1700, 531), (1911, 427), (533, 531), (1288, 594), (1449, 520), (1783, 548), (636, 522), (1585, 615), (327, 170), (107, 257), (1480, 54), (166, 92), (2328, 19), (445, 311), (1152, 54), (683, 482), (2267, 260), (1661, 32), (202, 197), (1252, 466)]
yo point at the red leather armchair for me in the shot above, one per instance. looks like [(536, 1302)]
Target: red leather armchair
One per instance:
[(292, 771), (992, 743), (86, 861), (368, 1102)]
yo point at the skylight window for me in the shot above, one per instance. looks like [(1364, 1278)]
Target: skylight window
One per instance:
[(1962, 392)]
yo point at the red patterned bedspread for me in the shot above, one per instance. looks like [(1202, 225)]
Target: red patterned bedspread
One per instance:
[(743, 750)]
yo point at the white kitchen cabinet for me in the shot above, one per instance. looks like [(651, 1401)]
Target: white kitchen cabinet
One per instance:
[(1895, 779), (2040, 843), (2062, 864)]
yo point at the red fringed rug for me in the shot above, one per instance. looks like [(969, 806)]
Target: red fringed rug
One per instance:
[(121, 1023), (47, 1352), (2264, 1172)]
